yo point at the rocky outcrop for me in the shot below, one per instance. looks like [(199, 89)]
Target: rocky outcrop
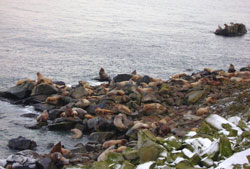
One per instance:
[(235, 29), (21, 143)]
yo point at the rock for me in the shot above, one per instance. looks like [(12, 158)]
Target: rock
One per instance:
[(225, 147), (79, 92), (44, 89), (184, 165), (36, 125), (149, 153), (146, 79), (100, 137), (122, 77), (17, 92), (194, 96), (100, 124), (100, 165), (42, 107), (25, 160), (64, 124), (83, 103), (59, 83), (245, 69), (131, 154), (29, 115), (127, 165), (21, 143), (54, 113), (236, 29)]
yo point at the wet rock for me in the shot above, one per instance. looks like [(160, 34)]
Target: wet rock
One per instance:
[(145, 79), (29, 115), (36, 125), (122, 77), (34, 99), (100, 137), (44, 89), (21, 143), (54, 113), (245, 69), (59, 83), (237, 29), (42, 107), (17, 92), (64, 124), (101, 124)]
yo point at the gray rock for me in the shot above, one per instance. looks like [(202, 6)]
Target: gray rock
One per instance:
[(44, 89), (36, 125), (21, 143), (54, 113), (78, 92), (122, 77), (101, 137)]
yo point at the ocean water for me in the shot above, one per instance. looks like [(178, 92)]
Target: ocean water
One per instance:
[(71, 40)]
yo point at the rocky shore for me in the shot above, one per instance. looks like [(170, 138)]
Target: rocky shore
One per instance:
[(200, 120)]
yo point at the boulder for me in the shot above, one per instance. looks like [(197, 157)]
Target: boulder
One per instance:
[(100, 137), (25, 160), (149, 153), (44, 89), (54, 113), (21, 143), (79, 92), (237, 29), (194, 96), (122, 77), (64, 124)]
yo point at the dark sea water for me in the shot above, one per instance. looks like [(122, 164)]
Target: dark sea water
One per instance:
[(71, 40)]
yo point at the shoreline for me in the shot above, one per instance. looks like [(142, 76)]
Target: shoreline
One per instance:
[(127, 109)]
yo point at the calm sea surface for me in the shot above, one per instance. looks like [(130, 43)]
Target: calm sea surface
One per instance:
[(70, 40)]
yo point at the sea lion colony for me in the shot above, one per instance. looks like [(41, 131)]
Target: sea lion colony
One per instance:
[(115, 115)]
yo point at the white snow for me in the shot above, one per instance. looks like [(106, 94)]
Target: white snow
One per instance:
[(235, 120), (164, 154), (237, 158), (199, 144), (188, 153), (217, 121), (214, 147), (191, 134), (145, 165), (178, 159)]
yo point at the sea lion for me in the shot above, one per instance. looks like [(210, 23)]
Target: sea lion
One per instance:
[(43, 117), (54, 100), (121, 121), (148, 109), (77, 133), (122, 109), (58, 159), (103, 76), (103, 112), (110, 143), (42, 79), (20, 82), (231, 69)]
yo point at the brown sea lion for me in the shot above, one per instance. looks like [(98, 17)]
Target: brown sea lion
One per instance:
[(42, 79), (43, 117)]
